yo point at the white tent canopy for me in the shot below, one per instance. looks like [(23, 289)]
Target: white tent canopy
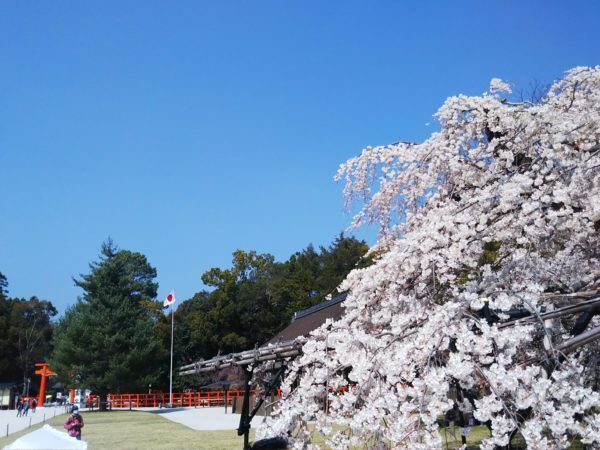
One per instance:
[(47, 438)]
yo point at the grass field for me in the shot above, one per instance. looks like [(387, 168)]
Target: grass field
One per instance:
[(120, 430), (478, 433)]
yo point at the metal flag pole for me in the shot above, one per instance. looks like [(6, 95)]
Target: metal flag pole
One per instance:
[(171, 371)]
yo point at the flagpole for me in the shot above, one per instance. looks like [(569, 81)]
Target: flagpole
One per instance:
[(171, 371)]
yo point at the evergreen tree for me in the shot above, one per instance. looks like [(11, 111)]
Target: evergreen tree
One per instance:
[(106, 341), (308, 277), (8, 351), (3, 286)]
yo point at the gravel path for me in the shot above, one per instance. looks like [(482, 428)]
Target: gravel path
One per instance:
[(213, 418), (8, 418)]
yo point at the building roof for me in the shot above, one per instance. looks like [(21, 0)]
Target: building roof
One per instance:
[(311, 318), (286, 344)]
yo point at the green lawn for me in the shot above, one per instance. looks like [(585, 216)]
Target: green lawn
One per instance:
[(477, 434), (480, 432), (118, 430)]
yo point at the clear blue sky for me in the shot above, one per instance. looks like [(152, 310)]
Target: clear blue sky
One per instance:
[(185, 130)]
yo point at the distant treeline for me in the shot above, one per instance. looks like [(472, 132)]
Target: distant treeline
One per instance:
[(25, 336), (116, 337), (256, 297)]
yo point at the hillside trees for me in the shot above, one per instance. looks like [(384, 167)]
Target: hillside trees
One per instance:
[(256, 297), (25, 334), (31, 330), (308, 276), (117, 337), (106, 341), (8, 352), (497, 212), (3, 286)]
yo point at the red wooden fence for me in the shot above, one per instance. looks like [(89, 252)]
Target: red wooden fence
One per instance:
[(201, 398)]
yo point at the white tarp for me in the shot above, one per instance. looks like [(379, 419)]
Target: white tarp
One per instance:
[(47, 438)]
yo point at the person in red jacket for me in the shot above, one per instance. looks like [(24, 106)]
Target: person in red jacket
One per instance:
[(74, 423)]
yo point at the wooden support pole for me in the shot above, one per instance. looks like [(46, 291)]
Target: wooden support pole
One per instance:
[(244, 428)]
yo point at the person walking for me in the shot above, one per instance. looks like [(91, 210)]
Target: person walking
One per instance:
[(26, 407), (19, 407), (74, 423), (33, 405)]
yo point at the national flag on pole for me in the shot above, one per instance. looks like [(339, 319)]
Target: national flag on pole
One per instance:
[(169, 300)]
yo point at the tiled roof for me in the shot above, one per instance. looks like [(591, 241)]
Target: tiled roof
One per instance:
[(311, 318)]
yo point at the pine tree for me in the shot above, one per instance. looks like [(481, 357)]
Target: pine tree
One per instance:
[(106, 341)]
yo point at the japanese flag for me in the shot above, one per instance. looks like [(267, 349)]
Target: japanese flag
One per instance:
[(169, 300)]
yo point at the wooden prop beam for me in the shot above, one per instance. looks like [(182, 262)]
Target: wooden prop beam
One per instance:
[(281, 351)]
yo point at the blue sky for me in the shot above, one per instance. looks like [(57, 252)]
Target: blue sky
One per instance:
[(186, 130)]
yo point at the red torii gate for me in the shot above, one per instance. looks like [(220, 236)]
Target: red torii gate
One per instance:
[(44, 371)]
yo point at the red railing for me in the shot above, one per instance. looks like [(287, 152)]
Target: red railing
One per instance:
[(201, 398)]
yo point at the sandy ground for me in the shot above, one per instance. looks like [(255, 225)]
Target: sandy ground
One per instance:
[(10, 423), (213, 418)]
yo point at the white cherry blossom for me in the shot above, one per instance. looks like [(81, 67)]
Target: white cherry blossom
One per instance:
[(497, 211)]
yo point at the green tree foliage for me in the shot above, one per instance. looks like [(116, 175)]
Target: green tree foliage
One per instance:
[(3, 286), (256, 297), (309, 275), (106, 341), (25, 335), (185, 342), (33, 333), (7, 354)]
